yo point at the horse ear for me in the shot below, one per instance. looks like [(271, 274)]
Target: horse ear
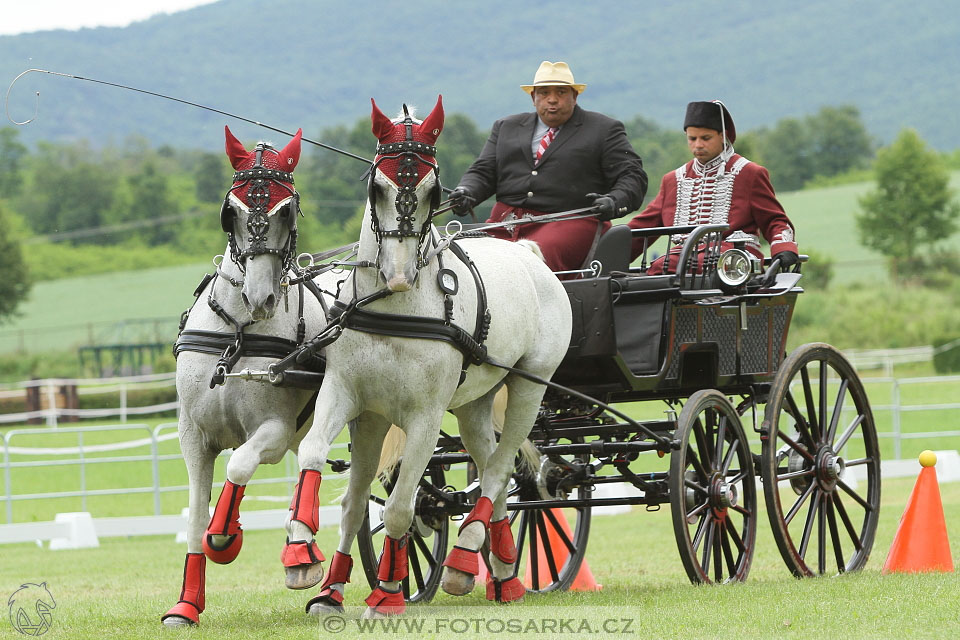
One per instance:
[(290, 154), (382, 126), (433, 124), (235, 150)]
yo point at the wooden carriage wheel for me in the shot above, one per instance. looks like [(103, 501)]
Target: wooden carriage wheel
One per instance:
[(713, 493), (819, 424)]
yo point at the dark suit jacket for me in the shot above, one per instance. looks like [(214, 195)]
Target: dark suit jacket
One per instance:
[(590, 154)]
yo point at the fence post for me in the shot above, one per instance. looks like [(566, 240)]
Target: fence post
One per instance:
[(6, 476), (895, 400), (83, 472), (155, 463), (123, 402), (51, 405)]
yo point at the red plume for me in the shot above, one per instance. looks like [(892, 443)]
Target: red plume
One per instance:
[(433, 124), (290, 154), (235, 150), (382, 126)]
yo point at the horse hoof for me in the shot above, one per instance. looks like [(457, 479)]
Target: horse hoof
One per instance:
[(177, 622), (222, 549), (324, 609), (372, 614), (456, 582), (303, 576)]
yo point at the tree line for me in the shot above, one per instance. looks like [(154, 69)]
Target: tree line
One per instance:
[(134, 198)]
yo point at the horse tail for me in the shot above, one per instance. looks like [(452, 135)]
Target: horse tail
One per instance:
[(393, 444), (529, 455), (533, 247)]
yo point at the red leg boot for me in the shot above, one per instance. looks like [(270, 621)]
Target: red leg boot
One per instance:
[(301, 558), (330, 598), (466, 561), (391, 568), (503, 547), (225, 522), (191, 603)]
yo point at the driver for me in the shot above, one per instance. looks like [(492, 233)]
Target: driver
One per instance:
[(557, 158), (718, 186)]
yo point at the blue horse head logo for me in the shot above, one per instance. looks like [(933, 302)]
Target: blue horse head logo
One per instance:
[(30, 609)]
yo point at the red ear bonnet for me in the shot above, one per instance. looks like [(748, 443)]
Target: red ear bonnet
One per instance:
[(387, 132), (284, 160)]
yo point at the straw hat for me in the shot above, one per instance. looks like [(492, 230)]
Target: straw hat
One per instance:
[(553, 74)]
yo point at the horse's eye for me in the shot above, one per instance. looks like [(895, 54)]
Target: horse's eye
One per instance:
[(284, 212)]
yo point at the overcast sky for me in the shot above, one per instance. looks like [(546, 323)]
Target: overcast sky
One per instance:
[(24, 16)]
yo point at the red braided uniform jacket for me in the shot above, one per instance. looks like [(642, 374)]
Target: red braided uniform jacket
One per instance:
[(741, 196)]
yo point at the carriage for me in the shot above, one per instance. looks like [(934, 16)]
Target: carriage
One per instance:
[(707, 339), (702, 329)]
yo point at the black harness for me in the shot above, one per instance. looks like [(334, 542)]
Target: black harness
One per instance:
[(408, 153), (358, 318)]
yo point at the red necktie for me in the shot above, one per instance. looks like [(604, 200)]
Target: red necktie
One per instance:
[(545, 142)]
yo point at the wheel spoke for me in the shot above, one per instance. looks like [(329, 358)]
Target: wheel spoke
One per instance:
[(547, 547), (377, 529), (534, 555), (687, 482), (718, 552), (800, 421), (795, 446), (823, 401), (853, 494), (521, 536), (711, 429), (414, 562), (795, 474), (742, 510), (721, 436), (560, 532), (835, 535), (799, 503), (808, 525), (698, 467), (703, 446), (426, 550), (811, 410), (847, 524), (708, 546), (849, 432), (837, 408), (698, 510), (822, 536), (701, 531), (737, 540), (728, 551), (728, 460)]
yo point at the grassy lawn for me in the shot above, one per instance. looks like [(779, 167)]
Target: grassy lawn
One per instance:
[(122, 588)]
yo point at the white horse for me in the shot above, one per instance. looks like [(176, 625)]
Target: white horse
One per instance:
[(381, 379), (249, 295)]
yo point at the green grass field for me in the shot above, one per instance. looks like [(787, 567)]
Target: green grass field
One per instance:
[(120, 589)]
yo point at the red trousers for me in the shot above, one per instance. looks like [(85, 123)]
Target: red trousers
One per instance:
[(564, 243)]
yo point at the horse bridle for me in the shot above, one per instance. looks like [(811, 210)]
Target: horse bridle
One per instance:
[(257, 179), (408, 153)]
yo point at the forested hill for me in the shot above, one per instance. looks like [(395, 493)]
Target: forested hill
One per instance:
[(316, 63)]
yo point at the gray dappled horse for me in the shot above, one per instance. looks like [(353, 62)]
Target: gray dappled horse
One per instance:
[(379, 379), (249, 307)]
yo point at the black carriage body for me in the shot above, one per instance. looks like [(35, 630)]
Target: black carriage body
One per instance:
[(642, 337)]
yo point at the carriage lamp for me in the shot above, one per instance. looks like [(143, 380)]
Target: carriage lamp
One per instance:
[(736, 266)]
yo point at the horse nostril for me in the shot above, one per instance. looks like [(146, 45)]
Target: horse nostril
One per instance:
[(270, 302), (243, 297)]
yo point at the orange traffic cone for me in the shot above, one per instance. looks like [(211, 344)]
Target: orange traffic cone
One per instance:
[(921, 543), (584, 580)]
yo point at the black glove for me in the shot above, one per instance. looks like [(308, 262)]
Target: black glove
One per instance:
[(787, 259), (606, 205), (463, 202)]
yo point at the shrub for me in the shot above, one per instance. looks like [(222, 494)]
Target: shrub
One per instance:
[(946, 354)]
